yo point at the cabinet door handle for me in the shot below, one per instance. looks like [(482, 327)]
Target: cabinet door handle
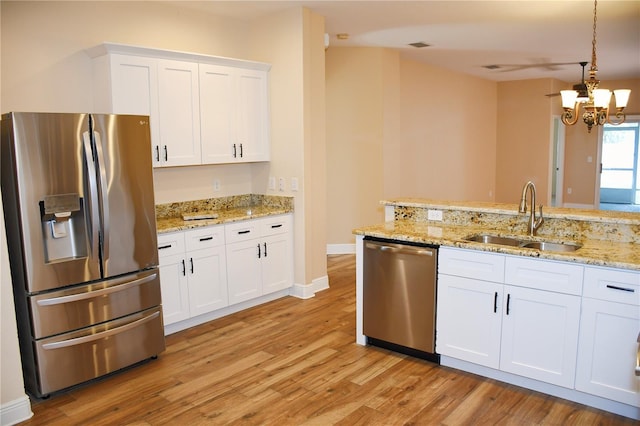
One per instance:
[(276, 226), (240, 150), (638, 357), (508, 300), (184, 269), (206, 238), (244, 232), (191, 261), (166, 154), (234, 150), (158, 153), (259, 251), (164, 247), (495, 302), (615, 287), (265, 249)]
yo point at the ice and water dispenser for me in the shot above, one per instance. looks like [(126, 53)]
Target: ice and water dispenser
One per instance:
[(63, 227)]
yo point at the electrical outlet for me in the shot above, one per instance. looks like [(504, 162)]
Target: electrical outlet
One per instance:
[(434, 215), (216, 185), (569, 190), (272, 183), (294, 183), (281, 184)]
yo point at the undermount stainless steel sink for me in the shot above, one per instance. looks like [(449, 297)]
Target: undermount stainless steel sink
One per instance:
[(548, 246), (494, 239), (523, 243)]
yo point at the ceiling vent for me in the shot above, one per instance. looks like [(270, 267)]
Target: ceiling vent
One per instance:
[(419, 44)]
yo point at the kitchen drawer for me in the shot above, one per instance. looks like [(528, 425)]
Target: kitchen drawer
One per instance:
[(242, 231), (471, 264), (170, 244), (614, 285), (275, 225), (559, 277), (199, 238)]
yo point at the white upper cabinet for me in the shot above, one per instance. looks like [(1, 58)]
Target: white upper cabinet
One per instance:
[(179, 114), (234, 114), (203, 109)]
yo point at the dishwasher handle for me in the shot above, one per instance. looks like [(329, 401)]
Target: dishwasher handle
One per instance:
[(401, 250)]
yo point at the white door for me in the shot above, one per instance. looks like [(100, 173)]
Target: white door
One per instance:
[(174, 288), (253, 127), (217, 114), (469, 320), (276, 263), (540, 335), (243, 271), (608, 351), (207, 280), (179, 113)]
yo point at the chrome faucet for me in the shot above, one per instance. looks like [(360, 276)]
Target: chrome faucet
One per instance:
[(534, 223)]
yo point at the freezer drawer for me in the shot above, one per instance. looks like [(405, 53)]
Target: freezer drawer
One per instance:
[(72, 358), (84, 306)]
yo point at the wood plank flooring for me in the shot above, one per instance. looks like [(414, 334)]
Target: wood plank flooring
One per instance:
[(294, 362)]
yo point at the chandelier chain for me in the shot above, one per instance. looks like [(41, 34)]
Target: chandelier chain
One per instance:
[(594, 61)]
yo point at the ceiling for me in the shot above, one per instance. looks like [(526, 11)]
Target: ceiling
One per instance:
[(465, 36)]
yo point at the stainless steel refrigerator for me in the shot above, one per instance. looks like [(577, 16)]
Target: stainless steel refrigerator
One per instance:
[(80, 220)]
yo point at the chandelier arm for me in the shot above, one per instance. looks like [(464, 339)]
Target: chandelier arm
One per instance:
[(619, 118), (570, 115)]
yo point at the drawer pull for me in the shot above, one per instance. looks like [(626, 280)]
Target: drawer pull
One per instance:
[(495, 302), (276, 226), (206, 238), (165, 247), (508, 301), (244, 232), (615, 287)]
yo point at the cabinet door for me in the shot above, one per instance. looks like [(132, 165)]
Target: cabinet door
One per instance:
[(276, 262), (207, 270), (243, 271), (540, 335), (608, 350), (253, 127), (134, 90), (217, 114), (179, 113), (469, 320), (174, 289)]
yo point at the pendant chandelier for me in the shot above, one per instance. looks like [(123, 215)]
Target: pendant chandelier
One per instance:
[(593, 100)]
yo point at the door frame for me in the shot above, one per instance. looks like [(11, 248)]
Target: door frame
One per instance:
[(596, 201)]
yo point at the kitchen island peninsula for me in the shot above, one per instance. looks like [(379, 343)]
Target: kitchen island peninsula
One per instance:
[(557, 312)]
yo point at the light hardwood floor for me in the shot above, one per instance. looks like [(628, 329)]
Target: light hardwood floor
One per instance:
[(293, 362)]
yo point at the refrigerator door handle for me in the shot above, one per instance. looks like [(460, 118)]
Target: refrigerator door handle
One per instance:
[(93, 194), (103, 197), (90, 295), (98, 336)]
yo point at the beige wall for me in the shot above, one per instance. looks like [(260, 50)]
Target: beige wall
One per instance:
[(400, 128), (524, 137), (580, 175), (44, 68)]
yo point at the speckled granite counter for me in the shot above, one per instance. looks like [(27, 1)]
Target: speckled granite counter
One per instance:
[(228, 209), (608, 238)]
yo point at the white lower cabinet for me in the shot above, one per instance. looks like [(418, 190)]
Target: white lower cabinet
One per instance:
[(610, 327), (206, 269), (193, 273), (260, 257), (520, 330)]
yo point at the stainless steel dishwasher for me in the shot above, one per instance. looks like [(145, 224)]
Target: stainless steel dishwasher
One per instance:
[(399, 300)]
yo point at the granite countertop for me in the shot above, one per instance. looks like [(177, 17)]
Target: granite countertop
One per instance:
[(169, 217), (607, 239)]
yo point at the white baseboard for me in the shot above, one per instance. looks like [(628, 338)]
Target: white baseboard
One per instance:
[(341, 248), (302, 291), (15, 411)]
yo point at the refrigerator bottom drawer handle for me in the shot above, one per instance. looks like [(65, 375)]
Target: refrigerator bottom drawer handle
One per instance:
[(98, 336), (96, 293)]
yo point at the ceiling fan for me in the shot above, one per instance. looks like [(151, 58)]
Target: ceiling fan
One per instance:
[(581, 87), (537, 63)]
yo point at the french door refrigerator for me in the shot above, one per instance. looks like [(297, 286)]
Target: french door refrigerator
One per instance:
[(81, 233)]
